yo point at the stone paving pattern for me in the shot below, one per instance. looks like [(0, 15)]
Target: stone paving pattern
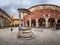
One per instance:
[(43, 36)]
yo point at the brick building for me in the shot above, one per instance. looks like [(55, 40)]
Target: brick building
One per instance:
[(44, 15)]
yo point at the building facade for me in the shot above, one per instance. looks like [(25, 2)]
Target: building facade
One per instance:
[(15, 22), (5, 20), (44, 15)]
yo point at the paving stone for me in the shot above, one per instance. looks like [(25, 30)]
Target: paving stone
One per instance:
[(43, 36)]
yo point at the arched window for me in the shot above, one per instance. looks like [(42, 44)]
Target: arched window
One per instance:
[(33, 21), (58, 21), (41, 22), (28, 23), (51, 22)]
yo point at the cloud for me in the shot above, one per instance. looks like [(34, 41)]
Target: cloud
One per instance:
[(54, 2), (11, 6), (14, 12)]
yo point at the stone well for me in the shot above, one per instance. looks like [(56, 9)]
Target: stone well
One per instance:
[(25, 32)]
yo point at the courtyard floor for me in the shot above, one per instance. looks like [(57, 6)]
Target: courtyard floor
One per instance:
[(42, 36)]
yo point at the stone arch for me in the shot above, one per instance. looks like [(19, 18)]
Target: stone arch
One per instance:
[(33, 23), (43, 6), (41, 22), (51, 22), (58, 21), (28, 23)]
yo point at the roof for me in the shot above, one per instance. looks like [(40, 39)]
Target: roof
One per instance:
[(44, 5), (15, 19), (5, 13), (24, 10)]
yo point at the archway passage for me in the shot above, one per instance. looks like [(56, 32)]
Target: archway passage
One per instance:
[(51, 22), (41, 22), (28, 23), (33, 23), (58, 21)]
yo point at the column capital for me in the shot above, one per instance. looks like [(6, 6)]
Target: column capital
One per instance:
[(36, 19)]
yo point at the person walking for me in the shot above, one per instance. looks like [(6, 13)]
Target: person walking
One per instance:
[(11, 29)]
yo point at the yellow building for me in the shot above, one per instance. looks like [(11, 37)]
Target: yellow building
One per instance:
[(15, 22)]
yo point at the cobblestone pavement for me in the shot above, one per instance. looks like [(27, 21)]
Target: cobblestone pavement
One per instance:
[(42, 36)]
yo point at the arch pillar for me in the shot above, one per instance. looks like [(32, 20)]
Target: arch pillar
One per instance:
[(56, 21), (30, 21), (26, 24), (36, 22), (23, 24), (46, 21), (20, 19)]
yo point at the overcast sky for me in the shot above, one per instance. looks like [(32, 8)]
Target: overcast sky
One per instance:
[(11, 6)]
